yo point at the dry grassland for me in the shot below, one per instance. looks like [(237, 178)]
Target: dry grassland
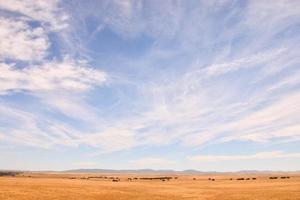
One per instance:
[(76, 186)]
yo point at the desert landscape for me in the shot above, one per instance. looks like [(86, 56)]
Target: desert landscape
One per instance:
[(104, 186)]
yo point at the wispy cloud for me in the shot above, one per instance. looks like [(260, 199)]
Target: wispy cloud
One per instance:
[(261, 155), (250, 61), (263, 124), (110, 140), (58, 84), (112, 76), (287, 82)]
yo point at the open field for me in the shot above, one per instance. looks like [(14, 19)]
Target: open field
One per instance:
[(95, 186)]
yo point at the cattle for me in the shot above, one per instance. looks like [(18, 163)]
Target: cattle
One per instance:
[(8, 173), (156, 178), (94, 177)]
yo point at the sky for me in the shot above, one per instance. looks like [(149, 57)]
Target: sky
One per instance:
[(206, 85)]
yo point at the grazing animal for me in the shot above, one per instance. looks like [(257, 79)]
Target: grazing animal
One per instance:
[(156, 178), (8, 173)]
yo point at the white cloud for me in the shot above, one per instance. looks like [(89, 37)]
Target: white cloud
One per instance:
[(21, 42), (289, 81), (26, 130), (281, 111), (48, 12), (196, 106), (51, 76), (59, 86), (261, 155), (278, 119), (246, 62), (72, 105), (37, 129), (111, 139), (270, 14), (285, 133)]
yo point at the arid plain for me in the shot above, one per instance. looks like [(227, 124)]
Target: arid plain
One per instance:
[(56, 186)]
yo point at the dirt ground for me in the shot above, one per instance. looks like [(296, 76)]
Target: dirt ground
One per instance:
[(92, 187)]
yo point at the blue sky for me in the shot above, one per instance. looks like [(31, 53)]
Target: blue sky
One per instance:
[(207, 85)]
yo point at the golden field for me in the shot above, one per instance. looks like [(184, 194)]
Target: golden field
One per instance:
[(56, 186)]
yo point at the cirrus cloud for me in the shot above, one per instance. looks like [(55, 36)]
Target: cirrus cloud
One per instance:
[(261, 155)]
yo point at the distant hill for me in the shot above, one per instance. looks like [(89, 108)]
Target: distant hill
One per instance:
[(142, 171), (152, 171), (149, 171)]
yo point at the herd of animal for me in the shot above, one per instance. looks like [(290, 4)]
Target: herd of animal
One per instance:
[(163, 178), (8, 173), (167, 178), (117, 179)]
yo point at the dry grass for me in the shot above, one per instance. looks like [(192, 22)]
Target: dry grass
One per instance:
[(60, 186)]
